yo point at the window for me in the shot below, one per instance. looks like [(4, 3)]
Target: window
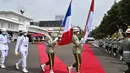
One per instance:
[(9, 26), (49, 25), (2, 25), (43, 25), (57, 25), (12, 26), (46, 25), (21, 20), (15, 27)]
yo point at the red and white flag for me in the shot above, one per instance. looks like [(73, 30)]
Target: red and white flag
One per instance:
[(88, 26)]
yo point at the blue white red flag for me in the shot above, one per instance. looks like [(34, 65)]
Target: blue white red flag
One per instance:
[(67, 32)]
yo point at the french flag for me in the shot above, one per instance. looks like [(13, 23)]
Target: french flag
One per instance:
[(67, 32), (88, 26)]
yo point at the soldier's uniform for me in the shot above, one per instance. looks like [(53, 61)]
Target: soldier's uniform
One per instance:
[(115, 47), (4, 40), (120, 49), (22, 49), (110, 46), (77, 49), (50, 51), (101, 44), (106, 44), (49, 42), (126, 50)]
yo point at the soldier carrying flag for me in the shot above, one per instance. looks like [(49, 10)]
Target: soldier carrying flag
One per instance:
[(49, 50), (126, 50), (76, 51)]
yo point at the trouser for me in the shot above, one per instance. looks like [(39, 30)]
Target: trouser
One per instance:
[(100, 46), (4, 53), (121, 52), (128, 71), (109, 49), (51, 60), (23, 59), (78, 62), (104, 46), (114, 50)]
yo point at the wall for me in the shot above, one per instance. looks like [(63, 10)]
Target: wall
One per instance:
[(3, 15), (15, 18), (15, 35), (8, 25)]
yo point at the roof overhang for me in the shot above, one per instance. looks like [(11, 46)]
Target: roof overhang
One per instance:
[(15, 13), (9, 20)]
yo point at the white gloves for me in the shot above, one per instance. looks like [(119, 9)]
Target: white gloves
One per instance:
[(81, 42), (56, 39), (16, 53), (82, 39)]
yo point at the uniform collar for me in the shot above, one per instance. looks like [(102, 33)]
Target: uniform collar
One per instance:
[(4, 34), (24, 35)]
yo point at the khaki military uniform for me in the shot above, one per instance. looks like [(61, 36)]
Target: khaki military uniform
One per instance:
[(106, 44), (49, 44), (126, 50), (120, 49), (101, 44), (115, 46), (49, 50), (77, 49), (126, 53), (110, 46)]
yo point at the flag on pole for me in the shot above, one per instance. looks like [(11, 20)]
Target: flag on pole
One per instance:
[(67, 32), (88, 26)]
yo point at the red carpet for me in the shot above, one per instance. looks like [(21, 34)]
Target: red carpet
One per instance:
[(90, 63), (59, 67)]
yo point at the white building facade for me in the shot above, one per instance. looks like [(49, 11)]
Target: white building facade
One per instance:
[(14, 22)]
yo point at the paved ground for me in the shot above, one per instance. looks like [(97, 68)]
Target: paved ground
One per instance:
[(33, 60), (110, 64)]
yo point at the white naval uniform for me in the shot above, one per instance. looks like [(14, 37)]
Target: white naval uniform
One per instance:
[(4, 40), (22, 48)]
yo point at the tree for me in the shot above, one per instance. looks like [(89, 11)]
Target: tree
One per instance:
[(117, 17)]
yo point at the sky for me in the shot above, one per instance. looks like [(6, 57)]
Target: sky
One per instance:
[(47, 9)]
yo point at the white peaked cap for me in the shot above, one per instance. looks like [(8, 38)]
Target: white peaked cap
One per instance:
[(75, 29), (50, 30), (3, 29), (24, 30), (128, 30)]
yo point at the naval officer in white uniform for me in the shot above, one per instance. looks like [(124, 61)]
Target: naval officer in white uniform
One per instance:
[(22, 49), (4, 40)]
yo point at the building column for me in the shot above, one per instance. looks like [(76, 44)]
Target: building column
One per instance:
[(15, 35)]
